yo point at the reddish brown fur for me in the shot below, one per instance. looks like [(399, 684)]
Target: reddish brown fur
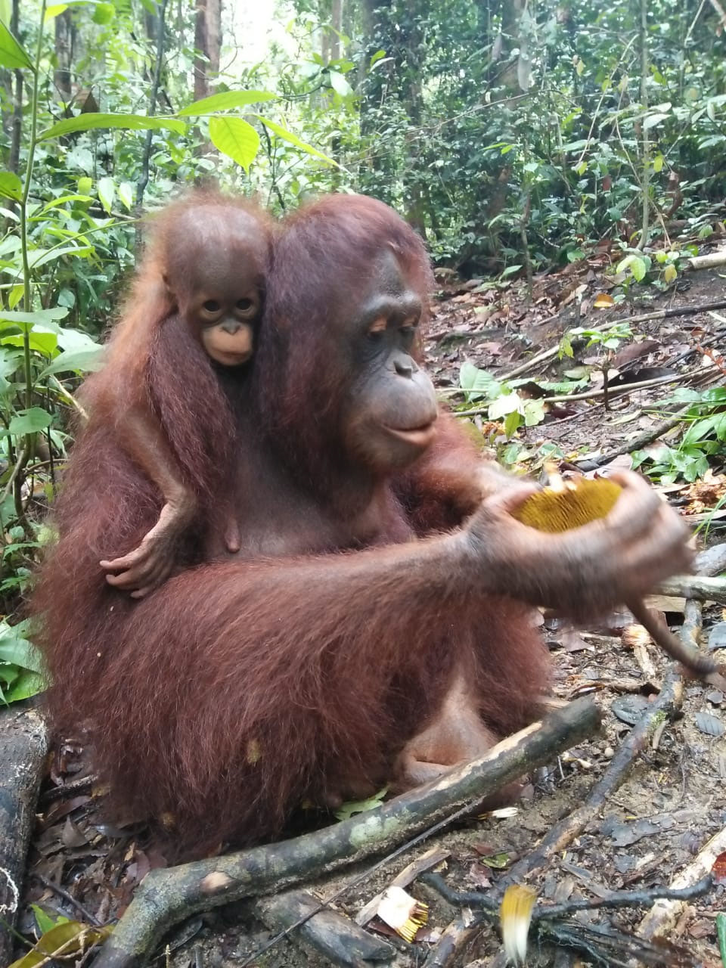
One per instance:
[(324, 665), (106, 503)]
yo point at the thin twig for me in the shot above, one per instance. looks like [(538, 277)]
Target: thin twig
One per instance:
[(591, 394), (546, 912), (21, 461), (637, 443), (67, 896)]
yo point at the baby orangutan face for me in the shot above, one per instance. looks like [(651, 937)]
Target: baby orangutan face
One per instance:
[(218, 284)]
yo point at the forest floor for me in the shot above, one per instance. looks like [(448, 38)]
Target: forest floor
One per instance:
[(651, 827)]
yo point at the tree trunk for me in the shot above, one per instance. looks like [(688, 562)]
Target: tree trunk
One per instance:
[(64, 43), (208, 43)]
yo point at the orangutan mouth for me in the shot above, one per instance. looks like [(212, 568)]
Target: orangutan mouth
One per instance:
[(417, 436)]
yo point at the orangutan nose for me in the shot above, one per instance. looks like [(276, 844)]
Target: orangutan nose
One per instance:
[(405, 366)]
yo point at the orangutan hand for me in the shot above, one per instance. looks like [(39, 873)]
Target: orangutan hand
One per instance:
[(588, 569)]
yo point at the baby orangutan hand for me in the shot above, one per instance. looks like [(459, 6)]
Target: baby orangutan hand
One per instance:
[(586, 570), (152, 562)]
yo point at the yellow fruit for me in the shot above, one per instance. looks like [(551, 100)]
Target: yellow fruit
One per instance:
[(571, 506)]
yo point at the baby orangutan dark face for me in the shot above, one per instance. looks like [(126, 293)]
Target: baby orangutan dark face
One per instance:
[(217, 278)]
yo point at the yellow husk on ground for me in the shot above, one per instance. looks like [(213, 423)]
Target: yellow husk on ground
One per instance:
[(569, 506)]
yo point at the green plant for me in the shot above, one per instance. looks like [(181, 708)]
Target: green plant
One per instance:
[(500, 400), (702, 445), (21, 669)]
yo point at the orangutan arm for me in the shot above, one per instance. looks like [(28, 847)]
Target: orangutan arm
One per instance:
[(450, 481), (151, 562)]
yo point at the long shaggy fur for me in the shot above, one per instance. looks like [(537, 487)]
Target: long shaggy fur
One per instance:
[(106, 502), (240, 689)]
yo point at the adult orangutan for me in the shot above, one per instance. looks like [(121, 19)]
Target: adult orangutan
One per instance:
[(196, 302), (295, 671)]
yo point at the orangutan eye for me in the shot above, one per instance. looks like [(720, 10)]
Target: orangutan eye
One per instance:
[(244, 304), (211, 306), (377, 329)]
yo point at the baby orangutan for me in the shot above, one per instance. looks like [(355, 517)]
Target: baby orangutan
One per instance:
[(204, 277)]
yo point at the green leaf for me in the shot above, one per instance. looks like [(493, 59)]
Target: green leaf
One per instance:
[(339, 84), (40, 317), (58, 8), (653, 120), (85, 185), (55, 11), (104, 13), (65, 199), (126, 194), (23, 654), (127, 122), (534, 413), (225, 101), (507, 403), (294, 140), (512, 423), (235, 138), (106, 193), (69, 939), (636, 264), (41, 257), (477, 383), (496, 861), (40, 342), (10, 186), (44, 921), (17, 649), (721, 935), (351, 807), (510, 271), (27, 684), (74, 339), (30, 421), (84, 361), (11, 51)]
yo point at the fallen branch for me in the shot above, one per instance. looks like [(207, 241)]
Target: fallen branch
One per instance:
[(328, 932), (572, 824), (549, 912), (23, 750), (711, 561), (713, 259), (611, 392), (166, 897), (664, 913), (457, 936), (642, 318), (693, 586), (550, 922), (637, 443)]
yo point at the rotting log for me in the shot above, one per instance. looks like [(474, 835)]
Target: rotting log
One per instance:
[(23, 749)]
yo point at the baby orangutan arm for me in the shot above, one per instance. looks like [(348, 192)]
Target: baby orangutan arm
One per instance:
[(151, 563)]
